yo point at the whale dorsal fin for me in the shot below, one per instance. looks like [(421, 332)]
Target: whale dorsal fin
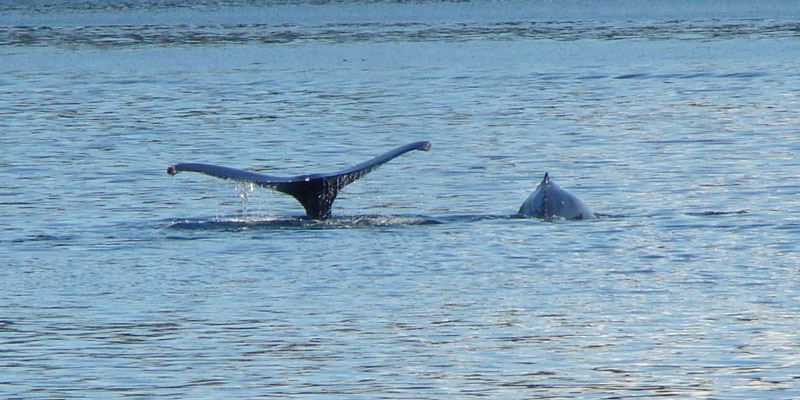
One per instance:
[(316, 192), (549, 202)]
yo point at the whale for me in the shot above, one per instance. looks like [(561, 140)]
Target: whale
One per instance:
[(315, 192), (550, 202)]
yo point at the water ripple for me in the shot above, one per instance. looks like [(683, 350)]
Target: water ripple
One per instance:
[(118, 280), (123, 36)]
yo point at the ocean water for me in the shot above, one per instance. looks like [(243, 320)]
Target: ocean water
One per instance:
[(677, 122)]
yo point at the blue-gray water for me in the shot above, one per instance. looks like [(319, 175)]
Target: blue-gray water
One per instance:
[(678, 122)]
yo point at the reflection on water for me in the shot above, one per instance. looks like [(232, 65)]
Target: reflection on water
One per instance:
[(679, 128), (126, 36)]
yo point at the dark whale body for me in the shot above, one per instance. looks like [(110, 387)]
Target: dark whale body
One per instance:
[(551, 202), (316, 192)]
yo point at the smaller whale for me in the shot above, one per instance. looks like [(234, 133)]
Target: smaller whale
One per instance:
[(551, 202)]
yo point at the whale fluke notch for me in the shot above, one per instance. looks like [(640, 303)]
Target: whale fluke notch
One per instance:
[(316, 192), (550, 202)]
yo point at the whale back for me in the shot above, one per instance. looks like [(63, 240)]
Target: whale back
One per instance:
[(551, 202)]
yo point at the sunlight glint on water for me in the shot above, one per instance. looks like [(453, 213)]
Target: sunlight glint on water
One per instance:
[(676, 124)]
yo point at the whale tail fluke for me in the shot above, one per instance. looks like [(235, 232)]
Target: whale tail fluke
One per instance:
[(315, 192)]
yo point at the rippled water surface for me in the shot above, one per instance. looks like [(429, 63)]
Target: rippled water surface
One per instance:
[(679, 126)]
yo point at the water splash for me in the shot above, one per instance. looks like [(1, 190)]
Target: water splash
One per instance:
[(244, 190), (235, 223)]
